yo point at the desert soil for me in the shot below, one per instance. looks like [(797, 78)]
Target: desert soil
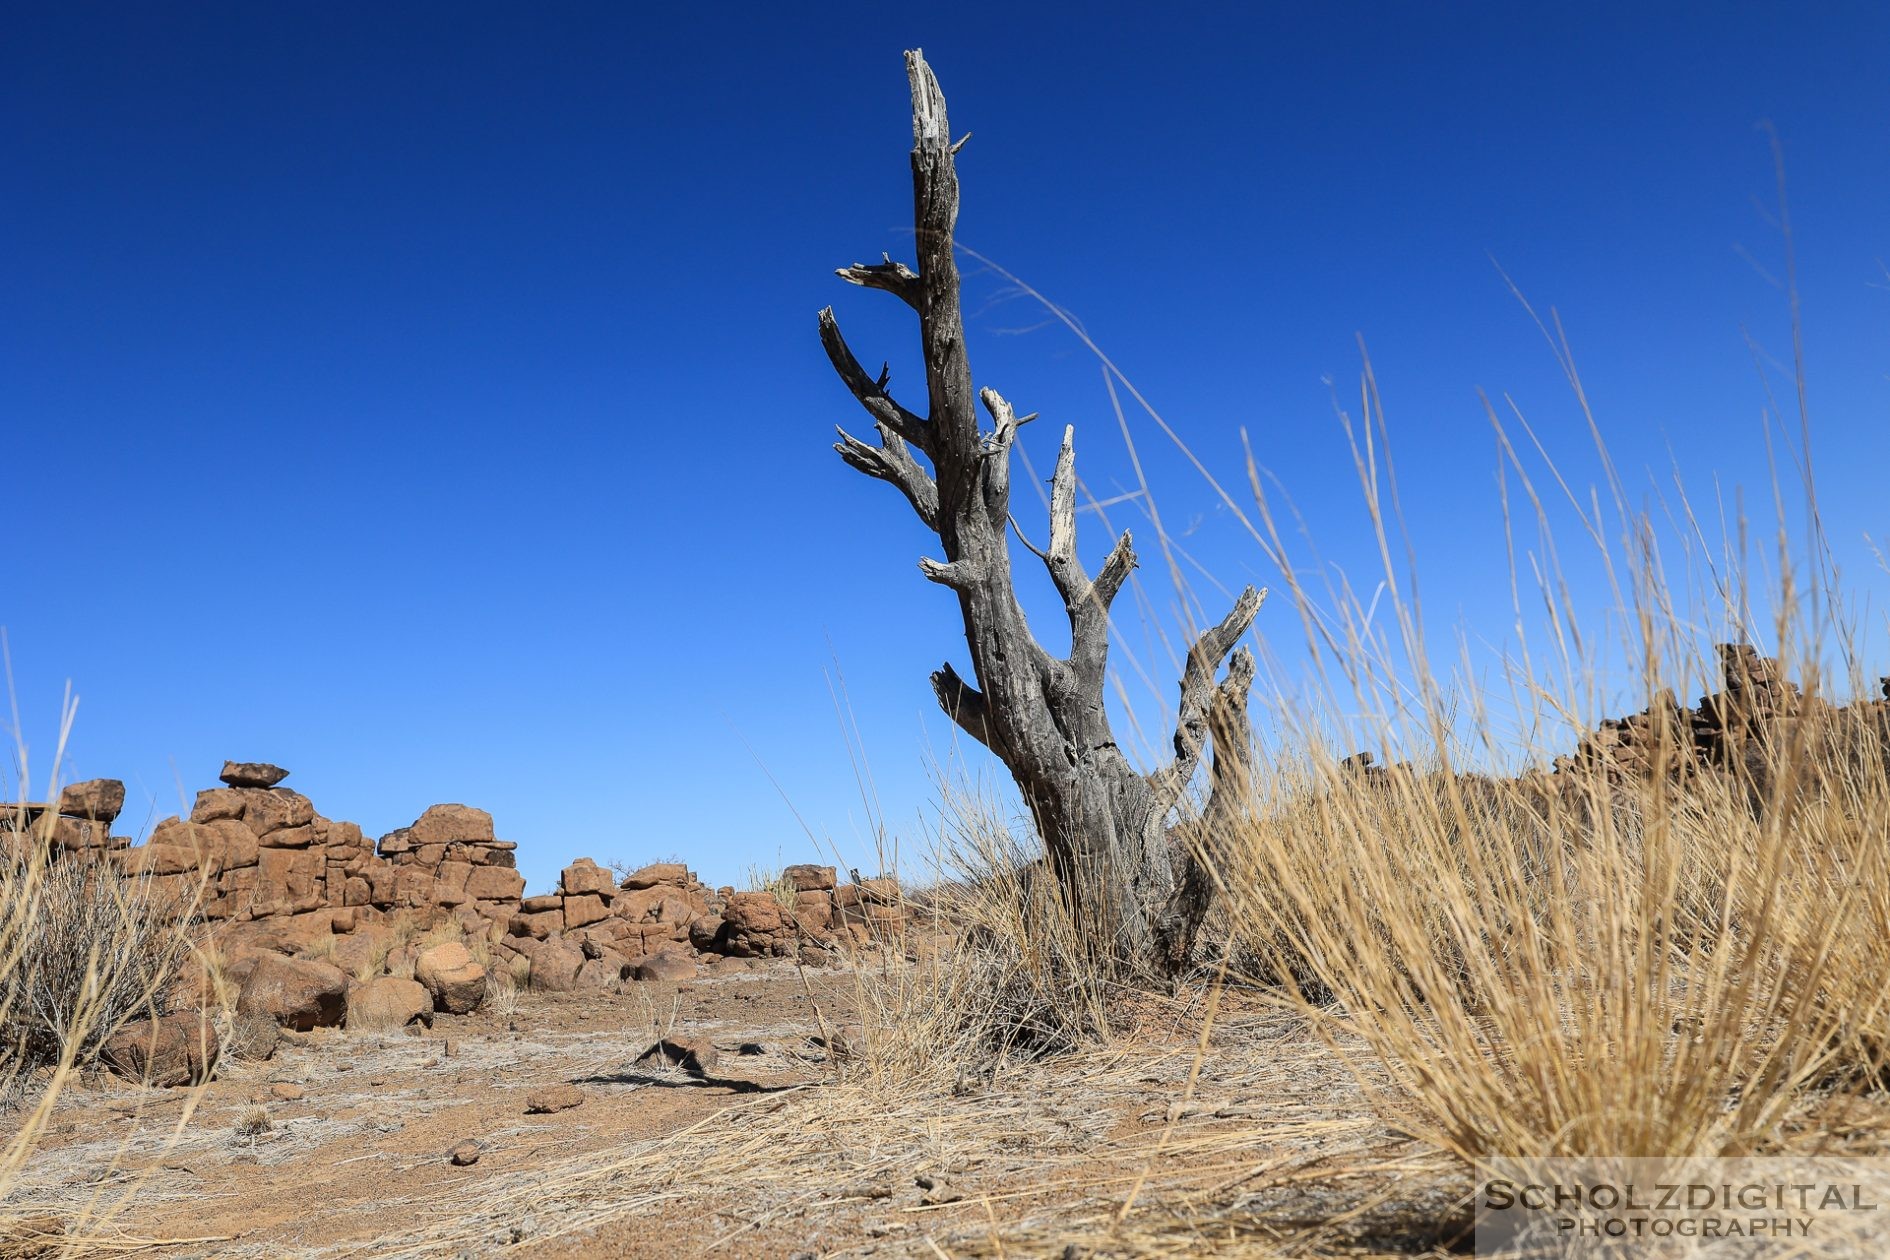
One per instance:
[(782, 1151)]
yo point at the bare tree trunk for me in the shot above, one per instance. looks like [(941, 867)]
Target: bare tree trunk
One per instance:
[(1102, 820)]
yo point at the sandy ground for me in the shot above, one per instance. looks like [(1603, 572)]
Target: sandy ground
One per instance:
[(782, 1152)]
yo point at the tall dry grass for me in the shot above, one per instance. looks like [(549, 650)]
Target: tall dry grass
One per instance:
[(1595, 961), (1582, 968)]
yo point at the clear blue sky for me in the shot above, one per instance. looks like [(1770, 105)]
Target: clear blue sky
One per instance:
[(427, 397)]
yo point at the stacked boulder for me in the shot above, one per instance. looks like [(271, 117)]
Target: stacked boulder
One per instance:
[(595, 931), (308, 923), (1728, 729), (254, 850), (1756, 698), (821, 912), (1636, 744), (1736, 731), (311, 923), (451, 858), (80, 821)]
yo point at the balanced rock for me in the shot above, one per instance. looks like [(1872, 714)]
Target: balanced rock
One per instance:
[(101, 800), (252, 774), (445, 824)]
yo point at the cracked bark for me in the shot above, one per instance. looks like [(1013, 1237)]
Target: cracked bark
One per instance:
[(1139, 895)]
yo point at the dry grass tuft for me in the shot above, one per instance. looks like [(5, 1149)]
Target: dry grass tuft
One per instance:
[(375, 963), (996, 968), (502, 986), (252, 1124), (321, 949), (774, 883)]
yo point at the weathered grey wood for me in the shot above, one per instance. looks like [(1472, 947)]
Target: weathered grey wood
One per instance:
[(894, 277), (1230, 776), (1103, 822)]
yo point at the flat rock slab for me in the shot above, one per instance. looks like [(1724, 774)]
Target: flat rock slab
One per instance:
[(101, 800), (252, 774), (661, 967), (541, 1102)]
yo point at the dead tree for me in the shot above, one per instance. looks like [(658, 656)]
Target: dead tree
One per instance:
[(1139, 898)]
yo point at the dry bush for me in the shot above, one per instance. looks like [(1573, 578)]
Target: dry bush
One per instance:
[(448, 931), (85, 951), (402, 929), (81, 952), (624, 870), (479, 946), (375, 963)]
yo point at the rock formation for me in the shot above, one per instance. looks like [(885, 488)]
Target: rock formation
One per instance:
[(312, 924), (1733, 730), (79, 821)]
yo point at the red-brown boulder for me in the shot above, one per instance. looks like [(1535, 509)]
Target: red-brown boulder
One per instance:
[(296, 993), (177, 1049), (444, 824)]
